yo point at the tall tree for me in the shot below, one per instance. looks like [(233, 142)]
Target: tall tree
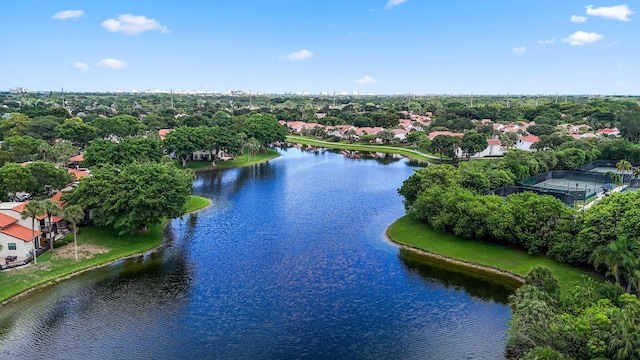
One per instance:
[(15, 178), (132, 197), (445, 145), (617, 257), (76, 131), (73, 214), (47, 177), (473, 142), (265, 128), (31, 210), (624, 167), (183, 141), (51, 209)]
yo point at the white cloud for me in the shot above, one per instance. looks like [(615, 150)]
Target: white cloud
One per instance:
[(299, 55), (578, 19), (366, 80), (392, 3), (80, 66), (580, 38), (111, 64), (519, 49), (619, 12), (68, 14), (546, 42), (133, 24)]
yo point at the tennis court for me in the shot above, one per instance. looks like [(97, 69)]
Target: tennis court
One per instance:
[(582, 185), (589, 188)]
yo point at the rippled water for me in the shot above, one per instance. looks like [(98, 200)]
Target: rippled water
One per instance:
[(290, 262)]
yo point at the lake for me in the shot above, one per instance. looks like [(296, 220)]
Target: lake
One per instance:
[(290, 262)]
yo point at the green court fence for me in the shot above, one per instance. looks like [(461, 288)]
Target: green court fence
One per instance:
[(566, 198), (568, 177)]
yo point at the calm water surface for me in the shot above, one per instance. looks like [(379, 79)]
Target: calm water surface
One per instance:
[(290, 262)]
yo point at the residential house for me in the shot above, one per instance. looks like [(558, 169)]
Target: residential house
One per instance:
[(525, 142), (16, 237), (401, 134), (609, 132)]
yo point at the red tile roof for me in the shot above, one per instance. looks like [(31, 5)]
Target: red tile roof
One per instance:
[(20, 232), (78, 173), (77, 158), (608, 131), (19, 207), (6, 220), (58, 198), (529, 138), (494, 142), (163, 132)]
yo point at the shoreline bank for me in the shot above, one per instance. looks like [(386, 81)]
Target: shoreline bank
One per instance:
[(101, 265), (462, 263)]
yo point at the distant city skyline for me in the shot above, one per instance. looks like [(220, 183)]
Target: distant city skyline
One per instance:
[(381, 47)]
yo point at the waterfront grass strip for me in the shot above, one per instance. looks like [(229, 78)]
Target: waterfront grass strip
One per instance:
[(238, 161), (411, 153), (415, 234), (107, 247)]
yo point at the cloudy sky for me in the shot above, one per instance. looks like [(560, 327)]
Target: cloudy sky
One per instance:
[(278, 46)]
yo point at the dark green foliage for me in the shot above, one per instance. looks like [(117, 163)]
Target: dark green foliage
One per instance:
[(47, 177), (265, 129), (126, 151), (132, 197), (473, 142), (592, 320)]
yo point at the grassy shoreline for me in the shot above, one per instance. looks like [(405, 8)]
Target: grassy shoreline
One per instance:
[(20, 281), (239, 161), (405, 151), (495, 258)]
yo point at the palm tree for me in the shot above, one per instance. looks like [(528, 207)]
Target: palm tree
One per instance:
[(31, 210), (252, 145), (623, 166), (635, 173), (617, 257), (50, 208), (73, 213)]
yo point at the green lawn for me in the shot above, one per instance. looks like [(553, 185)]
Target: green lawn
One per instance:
[(239, 161), (413, 233), (406, 151), (18, 280)]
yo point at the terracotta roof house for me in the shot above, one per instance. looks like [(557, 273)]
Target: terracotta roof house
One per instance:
[(77, 158), (78, 174), (609, 132), (163, 132), (525, 142), (16, 236)]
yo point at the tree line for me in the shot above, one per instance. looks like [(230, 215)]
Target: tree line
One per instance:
[(605, 236), (592, 320)]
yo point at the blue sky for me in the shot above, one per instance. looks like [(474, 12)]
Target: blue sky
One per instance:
[(278, 46)]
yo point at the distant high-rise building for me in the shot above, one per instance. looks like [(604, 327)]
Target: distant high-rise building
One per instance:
[(19, 90)]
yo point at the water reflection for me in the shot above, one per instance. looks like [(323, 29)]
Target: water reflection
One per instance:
[(474, 282), (289, 262)]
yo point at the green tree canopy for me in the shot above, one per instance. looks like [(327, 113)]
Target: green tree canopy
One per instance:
[(183, 141), (14, 178), (47, 177), (76, 131), (132, 197), (126, 151), (264, 128), (473, 142)]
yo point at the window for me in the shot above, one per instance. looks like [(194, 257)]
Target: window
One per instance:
[(12, 246)]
